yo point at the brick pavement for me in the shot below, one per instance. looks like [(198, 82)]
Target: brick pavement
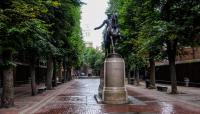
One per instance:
[(186, 94), (77, 97)]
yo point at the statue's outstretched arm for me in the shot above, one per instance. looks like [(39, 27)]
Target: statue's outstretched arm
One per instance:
[(104, 22)]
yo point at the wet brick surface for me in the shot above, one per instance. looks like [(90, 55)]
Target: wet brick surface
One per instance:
[(77, 97)]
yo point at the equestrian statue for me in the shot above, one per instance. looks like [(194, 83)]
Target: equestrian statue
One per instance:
[(111, 32)]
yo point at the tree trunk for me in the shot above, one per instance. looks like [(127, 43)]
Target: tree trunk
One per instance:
[(133, 75), (54, 73), (137, 77), (129, 77), (8, 88), (69, 77), (152, 73), (171, 51), (60, 72), (33, 84), (193, 53), (171, 47), (49, 73), (64, 67), (7, 98)]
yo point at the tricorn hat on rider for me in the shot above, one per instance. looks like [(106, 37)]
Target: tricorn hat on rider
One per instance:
[(108, 14)]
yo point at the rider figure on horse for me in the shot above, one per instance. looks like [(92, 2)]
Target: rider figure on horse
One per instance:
[(111, 31)]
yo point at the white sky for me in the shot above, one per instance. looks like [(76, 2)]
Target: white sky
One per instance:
[(93, 14)]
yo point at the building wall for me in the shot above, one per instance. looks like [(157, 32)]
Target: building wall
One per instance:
[(188, 54), (187, 65), (190, 70), (89, 44)]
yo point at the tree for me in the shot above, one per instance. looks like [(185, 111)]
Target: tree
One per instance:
[(181, 18), (66, 42), (93, 58), (38, 34), (37, 27), (13, 24)]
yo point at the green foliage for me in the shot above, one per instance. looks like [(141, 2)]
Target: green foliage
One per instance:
[(148, 24), (7, 64), (94, 58), (42, 28), (70, 33), (19, 24)]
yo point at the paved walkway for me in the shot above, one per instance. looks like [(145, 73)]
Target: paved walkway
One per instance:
[(186, 94), (77, 97)]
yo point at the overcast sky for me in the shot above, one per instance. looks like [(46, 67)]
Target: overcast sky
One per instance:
[(93, 14)]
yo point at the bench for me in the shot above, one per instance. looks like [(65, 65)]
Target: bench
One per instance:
[(42, 89), (162, 88), (131, 80), (59, 83)]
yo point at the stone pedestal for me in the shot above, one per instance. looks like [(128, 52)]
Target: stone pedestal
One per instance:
[(114, 91), (100, 89)]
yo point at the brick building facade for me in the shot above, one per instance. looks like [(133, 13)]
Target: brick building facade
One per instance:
[(187, 65)]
